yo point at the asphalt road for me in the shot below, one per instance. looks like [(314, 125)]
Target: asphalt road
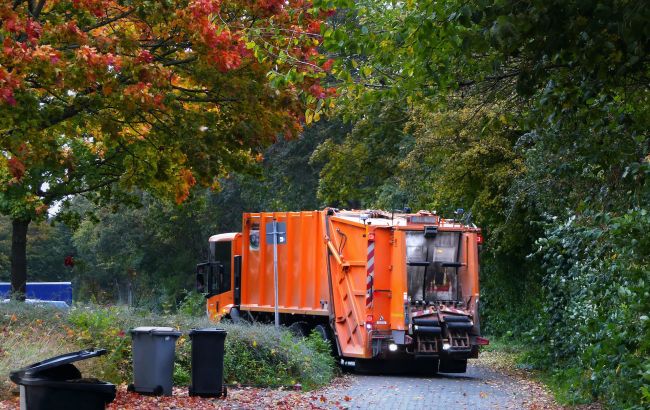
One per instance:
[(480, 388)]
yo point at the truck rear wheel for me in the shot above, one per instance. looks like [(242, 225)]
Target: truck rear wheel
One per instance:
[(322, 331), (299, 329), (326, 334)]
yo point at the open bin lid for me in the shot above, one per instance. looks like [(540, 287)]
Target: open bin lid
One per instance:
[(155, 330), (56, 361)]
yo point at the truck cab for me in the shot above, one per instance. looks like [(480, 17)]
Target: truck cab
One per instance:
[(220, 277)]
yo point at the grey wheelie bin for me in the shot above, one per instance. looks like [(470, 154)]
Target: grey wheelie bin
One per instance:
[(56, 384), (207, 362), (153, 353)]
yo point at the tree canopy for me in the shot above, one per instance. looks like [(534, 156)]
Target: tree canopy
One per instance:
[(153, 94), (100, 96)]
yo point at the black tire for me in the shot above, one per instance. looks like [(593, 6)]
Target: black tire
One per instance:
[(158, 390), (322, 331), (326, 334), (299, 329), (130, 387), (224, 392), (236, 317)]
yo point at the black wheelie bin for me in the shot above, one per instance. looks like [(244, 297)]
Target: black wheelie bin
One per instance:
[(56, 384), (207, 362)]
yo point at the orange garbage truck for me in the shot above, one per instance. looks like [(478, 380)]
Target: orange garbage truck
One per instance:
[(379, 285)]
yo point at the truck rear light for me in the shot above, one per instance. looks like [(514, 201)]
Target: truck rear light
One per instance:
[(371, 237), (369, 322), (481, 341), (479, 239)]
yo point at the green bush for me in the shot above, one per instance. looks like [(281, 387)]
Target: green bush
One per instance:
[(595, 332), (192, 304), (262, 355), (254, 354)]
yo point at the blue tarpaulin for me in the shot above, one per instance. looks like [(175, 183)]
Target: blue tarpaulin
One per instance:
[(61, 291)]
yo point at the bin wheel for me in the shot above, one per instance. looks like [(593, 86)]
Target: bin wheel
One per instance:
[(224, 392), (130, 387), (190, 391), (158, 391)]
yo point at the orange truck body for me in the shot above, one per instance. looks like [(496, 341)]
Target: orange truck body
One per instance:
[(382, 285)]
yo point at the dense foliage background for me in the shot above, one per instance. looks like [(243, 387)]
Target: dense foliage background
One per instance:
[(533, 116)]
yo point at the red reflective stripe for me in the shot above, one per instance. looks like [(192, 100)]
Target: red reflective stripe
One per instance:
[(371, 273)]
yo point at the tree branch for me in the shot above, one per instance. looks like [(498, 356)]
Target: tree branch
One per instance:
[(179, 62), (53, 195), (108, 21), (215, 99), (33, 8)]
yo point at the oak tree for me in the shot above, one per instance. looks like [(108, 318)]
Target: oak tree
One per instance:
[(98, 97)]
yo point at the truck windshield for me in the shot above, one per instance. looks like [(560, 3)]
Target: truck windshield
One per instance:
[(432, 266)]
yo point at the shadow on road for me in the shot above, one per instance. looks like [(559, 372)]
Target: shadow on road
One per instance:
[(423, 369)]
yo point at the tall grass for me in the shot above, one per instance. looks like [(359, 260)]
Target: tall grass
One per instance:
[(254, 354), (28, 334)]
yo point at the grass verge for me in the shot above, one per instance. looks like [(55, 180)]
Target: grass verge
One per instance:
[(255, 354)]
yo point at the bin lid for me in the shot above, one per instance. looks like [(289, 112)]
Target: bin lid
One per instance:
[(35, 368), (207, 330), (156, 330)]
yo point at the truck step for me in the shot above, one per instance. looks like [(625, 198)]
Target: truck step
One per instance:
[(425, 322), (459, 325), (432, 330)]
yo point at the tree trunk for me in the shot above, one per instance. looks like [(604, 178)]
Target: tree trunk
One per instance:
[(18, 258)]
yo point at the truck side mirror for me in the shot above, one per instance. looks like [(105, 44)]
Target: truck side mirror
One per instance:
[(201, 277), (214, 272)]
